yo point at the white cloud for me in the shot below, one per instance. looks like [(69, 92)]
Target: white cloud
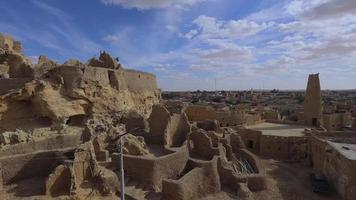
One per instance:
[(238, 54), (152, 4), (332, 9), (191, 34), (291, 38), (61, 35), (210, 28), (171, 28)]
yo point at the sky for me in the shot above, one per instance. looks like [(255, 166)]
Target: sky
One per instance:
[(193, 44)]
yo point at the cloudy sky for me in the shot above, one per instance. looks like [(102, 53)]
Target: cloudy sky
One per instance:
[(189, 44)]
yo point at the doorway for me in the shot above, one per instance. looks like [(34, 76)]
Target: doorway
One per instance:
[(314, 121)]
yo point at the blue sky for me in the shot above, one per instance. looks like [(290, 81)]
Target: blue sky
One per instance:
[(188, 44)]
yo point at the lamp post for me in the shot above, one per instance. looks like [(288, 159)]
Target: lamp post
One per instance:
[(122, 184), (122, 174)]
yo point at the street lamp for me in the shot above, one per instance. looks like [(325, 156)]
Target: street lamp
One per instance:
[(122, 174)]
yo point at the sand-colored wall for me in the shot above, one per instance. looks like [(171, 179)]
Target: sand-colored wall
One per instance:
[(278, 147), (151, 171), (197, 183), (339, 170), (45, 144), (284, 148), (271, 115), (225, 118), (158, 122), (8, 43), (251, 139), (139, 81), (24, 166), (123, 79), (167, 129), (96, 74), (31, 159), (12, 83), (336, 121)]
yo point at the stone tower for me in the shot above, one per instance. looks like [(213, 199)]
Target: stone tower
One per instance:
[(312, 101)]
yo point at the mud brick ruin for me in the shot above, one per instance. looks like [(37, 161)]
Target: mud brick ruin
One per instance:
[(59, 125)]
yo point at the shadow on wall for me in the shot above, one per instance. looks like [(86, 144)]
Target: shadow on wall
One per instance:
[(26, 166), (30, 187)]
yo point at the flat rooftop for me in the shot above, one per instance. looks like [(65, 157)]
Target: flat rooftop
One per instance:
[(286, 130), (347, 150)]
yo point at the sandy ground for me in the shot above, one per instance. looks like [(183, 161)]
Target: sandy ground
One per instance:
[(288, 181)]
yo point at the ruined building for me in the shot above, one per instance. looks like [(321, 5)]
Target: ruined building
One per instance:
[(59, 130), (312, 102)]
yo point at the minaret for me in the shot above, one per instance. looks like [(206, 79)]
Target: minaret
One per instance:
[(312, 101)]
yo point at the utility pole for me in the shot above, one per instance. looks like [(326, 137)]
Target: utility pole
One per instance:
[(122, 184), (122, 173)]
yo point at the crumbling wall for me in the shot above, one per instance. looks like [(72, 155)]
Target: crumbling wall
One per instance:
[(12, 84), (197, 183), (177, 130), (36, 164), (251, 139), (158, 122), (97, 75), (59, 182), (151, 171), (226, 118), (139, 81), (209, 125), (46, 143), (134, 120), (201, 146), (8, 43)]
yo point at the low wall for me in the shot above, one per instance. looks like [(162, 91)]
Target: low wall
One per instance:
[(36, 164), (251, 138), (341, 134), (256, 181), (8, 84), (283, 148), (151, 171), (284, 122), (50, 143), (197, 183)]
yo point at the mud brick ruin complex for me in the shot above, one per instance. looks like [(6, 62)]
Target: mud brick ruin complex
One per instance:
[(59, 126)]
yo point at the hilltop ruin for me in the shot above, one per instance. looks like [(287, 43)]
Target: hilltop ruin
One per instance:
[(59, 125)]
